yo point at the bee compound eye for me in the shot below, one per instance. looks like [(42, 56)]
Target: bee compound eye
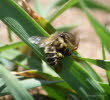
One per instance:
[(62, 36)]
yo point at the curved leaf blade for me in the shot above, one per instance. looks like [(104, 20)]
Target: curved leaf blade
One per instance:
[(13, 85), (62, 9), (21, 23), (81, 81), (101, 31), (11, 45)]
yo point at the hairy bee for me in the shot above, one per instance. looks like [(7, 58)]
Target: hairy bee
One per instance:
[(56, 46)]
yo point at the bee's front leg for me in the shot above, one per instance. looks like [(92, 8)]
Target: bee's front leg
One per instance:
[(75, 46)]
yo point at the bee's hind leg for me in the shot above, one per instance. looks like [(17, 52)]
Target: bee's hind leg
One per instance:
[(59, 55)]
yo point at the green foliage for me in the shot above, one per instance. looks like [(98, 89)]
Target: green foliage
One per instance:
[(90, 3), (76, 80), (13, 85), (62, 9)]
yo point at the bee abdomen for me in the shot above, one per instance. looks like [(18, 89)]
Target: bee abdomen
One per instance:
[(51, 60), (50, 49), (51, 55)]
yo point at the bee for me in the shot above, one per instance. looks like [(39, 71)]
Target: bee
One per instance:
[(56, 46)]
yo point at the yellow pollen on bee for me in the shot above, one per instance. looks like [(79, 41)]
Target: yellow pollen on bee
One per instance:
[(60, 55)]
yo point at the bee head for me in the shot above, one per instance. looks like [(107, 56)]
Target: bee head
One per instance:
[(63, 36), (68, 37)]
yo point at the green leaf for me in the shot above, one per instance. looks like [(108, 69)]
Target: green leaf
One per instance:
[(51, 88), (67, 27), (97, 5), (105, 64), (52, 81), (49, 8), (101, 31), (26, 62), (103, 52), (11, 45), (27, 84), (7, 63), (106, 87), (13, 85), (62, 9), (39, 19), (76, 56), (73, 73), (38, 7), (107, 67), (10, 54), (31, 83), (90, 70), (9, 34), (90, 3), (21, 23), (56, 92), (81, 81), (17, 58)]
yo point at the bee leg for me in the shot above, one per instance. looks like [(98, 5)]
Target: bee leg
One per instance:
[(76, 46), (59, 55)]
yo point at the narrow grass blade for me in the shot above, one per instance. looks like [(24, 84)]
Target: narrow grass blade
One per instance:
[(11, 45), (62, 9), (38, 7), (39, 19), (67, 27), (21, 23), (90, 3), (9, 34), (10, 54), (90, 70), (46, 76), (50, 7), (13, 85), (87, 66), (27, 84), (106, 87), (31, 83), (103, 52), (97, 5), (101, 31), (107, 67), (105, 64), (38, 74), (27, 62), (81, 81), (7, 64), (52, 85), (56, 92)]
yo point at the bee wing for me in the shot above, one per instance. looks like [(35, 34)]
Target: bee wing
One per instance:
[(38, 40)]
